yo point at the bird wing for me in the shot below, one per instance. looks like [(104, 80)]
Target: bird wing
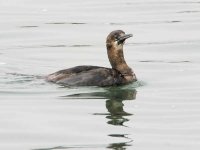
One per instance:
[(83, 75), (97, 76)]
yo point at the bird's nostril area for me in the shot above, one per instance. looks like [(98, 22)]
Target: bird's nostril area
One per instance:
[(121, 42)]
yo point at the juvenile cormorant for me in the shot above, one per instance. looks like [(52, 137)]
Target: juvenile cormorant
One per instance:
[(119, 74)]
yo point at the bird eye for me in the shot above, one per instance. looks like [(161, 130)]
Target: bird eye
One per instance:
[(116, 38)]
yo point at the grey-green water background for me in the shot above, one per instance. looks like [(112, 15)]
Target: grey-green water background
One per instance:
[(161, 111)]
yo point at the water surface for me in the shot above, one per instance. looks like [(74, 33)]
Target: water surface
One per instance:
[(160, 111)]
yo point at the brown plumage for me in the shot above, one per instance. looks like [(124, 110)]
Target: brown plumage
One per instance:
[(119, 74)]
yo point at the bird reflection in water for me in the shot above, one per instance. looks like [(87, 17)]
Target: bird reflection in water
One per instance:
[(114, 103), (116, 114)]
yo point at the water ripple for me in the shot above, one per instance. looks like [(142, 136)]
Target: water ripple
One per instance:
[(73, 23), (160, 61), (164, 43), (147, 22), (45, 46), (189, 11), (29, 26), (117, 146)]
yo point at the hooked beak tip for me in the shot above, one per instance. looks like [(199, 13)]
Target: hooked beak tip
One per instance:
[(124, 37)]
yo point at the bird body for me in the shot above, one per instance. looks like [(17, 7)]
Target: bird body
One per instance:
[(119, 74)]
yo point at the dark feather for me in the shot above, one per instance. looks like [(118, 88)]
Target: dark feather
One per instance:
[(86, 76)]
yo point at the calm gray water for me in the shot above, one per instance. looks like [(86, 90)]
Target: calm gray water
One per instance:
[(160, 111)]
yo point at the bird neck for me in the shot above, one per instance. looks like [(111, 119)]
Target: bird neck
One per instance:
[(117, 61)]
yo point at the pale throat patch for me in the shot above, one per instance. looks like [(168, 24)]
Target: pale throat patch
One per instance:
[(118, 47)]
